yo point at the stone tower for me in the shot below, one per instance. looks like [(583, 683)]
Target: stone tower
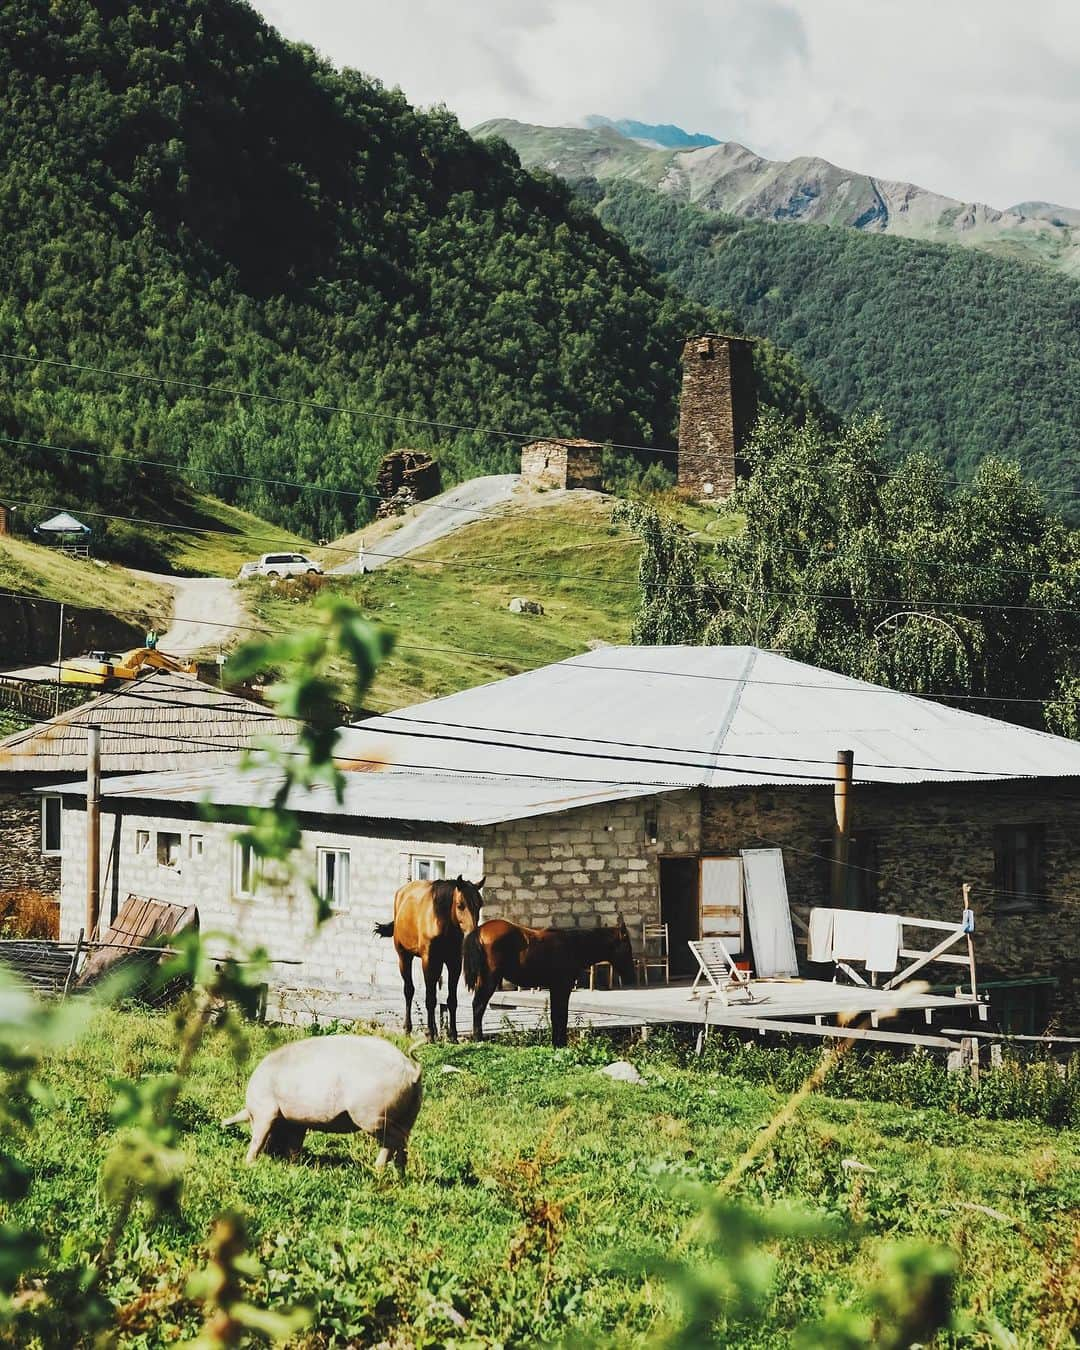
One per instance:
[(717, 411)]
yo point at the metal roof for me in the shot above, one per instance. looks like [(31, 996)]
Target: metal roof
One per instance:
[(718, 717), (391, 795), (160, 721), (682, 717)]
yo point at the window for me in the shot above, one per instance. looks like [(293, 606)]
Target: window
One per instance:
[(142, 841), (333, 866), (1018, 866), (195, 846), (50, 825), (168, 849), (428, 869), (245, 869)]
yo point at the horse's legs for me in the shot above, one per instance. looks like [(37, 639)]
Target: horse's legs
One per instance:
[(405, 961), (453, 974), (560, 1013), (484, 990), (432, 971)]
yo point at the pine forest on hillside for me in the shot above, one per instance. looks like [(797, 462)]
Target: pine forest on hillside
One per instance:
[(967, 355), (187, 196)]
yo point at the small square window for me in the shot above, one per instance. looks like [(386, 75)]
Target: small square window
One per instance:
[(168, 849), (333, 867), (427, 869), (142, 841), (51, 816), (195, 846)]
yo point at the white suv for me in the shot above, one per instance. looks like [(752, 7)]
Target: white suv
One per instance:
[(280, 565)]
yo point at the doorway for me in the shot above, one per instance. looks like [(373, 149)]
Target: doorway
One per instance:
[(679, 910)]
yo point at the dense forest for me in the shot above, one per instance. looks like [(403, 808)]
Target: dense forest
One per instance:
[(965, 354), (186, 196)]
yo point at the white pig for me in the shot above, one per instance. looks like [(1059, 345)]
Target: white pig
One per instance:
[(336, 1083)]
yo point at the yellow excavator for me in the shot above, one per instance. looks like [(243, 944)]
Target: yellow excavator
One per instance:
[(108, 668)]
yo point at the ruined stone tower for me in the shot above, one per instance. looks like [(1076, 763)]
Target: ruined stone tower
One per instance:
[(717, 410)]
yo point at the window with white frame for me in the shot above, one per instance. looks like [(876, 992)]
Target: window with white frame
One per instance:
[(245, 869), (333, 870), (50, 825), (427, 869), (142, 841), (195, 846)]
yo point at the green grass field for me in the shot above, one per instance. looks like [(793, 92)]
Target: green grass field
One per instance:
[(36, 570), (449, 601), (542, 1200)]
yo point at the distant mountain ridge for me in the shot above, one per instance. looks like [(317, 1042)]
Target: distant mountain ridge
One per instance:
[(655, 134), (725, 176)]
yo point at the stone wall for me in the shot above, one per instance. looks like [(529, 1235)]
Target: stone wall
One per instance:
[(22, 864), (562, 464), (30, 629), (927, 840), (584, 866), (717, 410), (343, 955)]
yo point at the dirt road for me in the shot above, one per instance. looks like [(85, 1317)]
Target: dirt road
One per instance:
[(208, 615)]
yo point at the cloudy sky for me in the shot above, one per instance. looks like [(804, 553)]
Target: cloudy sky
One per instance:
[(978, 99)]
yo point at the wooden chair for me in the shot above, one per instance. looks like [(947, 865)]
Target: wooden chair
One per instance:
[(719, 971), (610, 974), (654, 953)]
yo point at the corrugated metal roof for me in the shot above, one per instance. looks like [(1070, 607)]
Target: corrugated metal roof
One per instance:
[(160, 721), (391, 795), (684, 717), (734, 715)]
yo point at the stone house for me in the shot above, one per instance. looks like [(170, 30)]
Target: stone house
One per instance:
[(563, 464), (162, 721), (628, 780)]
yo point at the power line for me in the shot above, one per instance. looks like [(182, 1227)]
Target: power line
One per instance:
[(266, 715), (515, 658)]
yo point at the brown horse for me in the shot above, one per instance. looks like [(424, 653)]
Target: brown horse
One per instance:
[(430, 919), (540, 958)]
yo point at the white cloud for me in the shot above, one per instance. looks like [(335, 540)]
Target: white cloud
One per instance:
[(979, 99)]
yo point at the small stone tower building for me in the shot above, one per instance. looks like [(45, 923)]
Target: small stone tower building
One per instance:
[(562, 464), (717, 411)]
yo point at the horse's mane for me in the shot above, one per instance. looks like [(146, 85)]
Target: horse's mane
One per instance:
[(442, 895)]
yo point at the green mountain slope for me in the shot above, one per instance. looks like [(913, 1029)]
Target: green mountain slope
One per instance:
[(187, 196), (967, 355), (726, 176)]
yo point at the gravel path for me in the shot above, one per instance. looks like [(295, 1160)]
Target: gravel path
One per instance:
[(207, 614), (442, 515)]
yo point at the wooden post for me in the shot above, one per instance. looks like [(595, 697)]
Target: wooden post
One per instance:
[(845, 760), (93, 828), (59, 657)]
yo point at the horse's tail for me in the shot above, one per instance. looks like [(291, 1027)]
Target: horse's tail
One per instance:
[(384, 929), (472, 958)]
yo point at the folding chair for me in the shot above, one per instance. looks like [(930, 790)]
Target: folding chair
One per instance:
[(654, 952), (719, 971)]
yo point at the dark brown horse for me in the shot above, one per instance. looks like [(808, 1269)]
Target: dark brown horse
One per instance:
[(430, 919), (540, 958)]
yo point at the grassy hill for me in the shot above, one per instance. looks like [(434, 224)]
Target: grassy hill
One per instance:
[(448, 602), (544, 1203), (32, 569)]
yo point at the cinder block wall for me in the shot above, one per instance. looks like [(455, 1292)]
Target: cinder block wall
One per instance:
[(343, 955), (22, 866), (583, 867)]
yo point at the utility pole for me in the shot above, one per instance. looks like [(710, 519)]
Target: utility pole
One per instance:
[(845, 760), (93, 828), (59, 657)]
